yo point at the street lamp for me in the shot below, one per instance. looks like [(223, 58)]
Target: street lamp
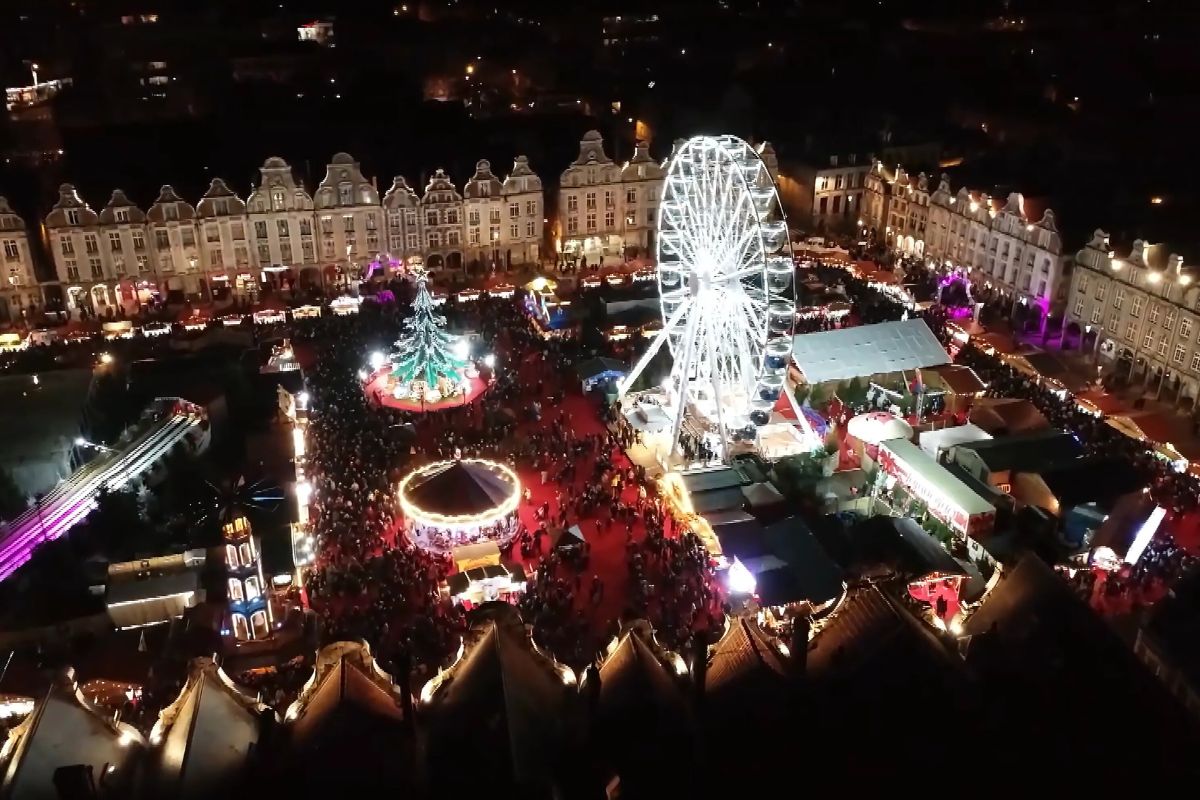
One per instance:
[(82, 442)]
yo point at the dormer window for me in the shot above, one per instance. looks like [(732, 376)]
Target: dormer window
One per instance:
[(122, 215), (72, 216)]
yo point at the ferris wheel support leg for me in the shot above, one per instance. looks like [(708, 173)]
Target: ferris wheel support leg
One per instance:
[(805, 425), (651, 351), (683, 369), (716, 385)]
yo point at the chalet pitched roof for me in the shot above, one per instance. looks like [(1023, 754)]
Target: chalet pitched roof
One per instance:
[(501, 698), (206, 735), (65, 730)]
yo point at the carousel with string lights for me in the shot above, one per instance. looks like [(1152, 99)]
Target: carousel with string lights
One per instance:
[(451, 504)]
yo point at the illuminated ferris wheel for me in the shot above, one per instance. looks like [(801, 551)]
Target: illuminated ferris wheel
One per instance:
[(725, 284)]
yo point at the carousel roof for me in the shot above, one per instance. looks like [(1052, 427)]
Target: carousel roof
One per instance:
[(458, 488)]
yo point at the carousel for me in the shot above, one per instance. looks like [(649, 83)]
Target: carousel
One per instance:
[(452, 504)]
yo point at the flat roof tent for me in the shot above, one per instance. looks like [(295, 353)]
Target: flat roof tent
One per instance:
[(867, 350)]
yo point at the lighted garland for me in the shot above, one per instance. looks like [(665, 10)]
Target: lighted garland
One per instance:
[(417, 514)]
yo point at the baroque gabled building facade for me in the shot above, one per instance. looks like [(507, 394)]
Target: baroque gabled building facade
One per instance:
[(1012, 247), (19, 292), (442, 223), (896, 205), (349, 213), (280, 213), (1137, 309)]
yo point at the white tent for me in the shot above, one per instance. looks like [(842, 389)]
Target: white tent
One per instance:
[(936, 442), (867, 350)]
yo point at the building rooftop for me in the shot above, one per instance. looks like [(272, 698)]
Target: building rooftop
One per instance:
[(1031, 452)]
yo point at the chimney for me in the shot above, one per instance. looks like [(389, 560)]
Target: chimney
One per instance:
[(75, 782), (799, 647), (403, 679), (699, 667)]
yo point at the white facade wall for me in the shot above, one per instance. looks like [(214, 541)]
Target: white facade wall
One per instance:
[(1139, 309)]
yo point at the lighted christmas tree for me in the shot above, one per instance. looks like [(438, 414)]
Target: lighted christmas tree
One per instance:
[(426, 361)]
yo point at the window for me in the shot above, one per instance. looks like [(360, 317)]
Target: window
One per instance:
[(452, 216), (211, 234), (90, 244), (1147, 340), (1180, 352), (264, 253), (410, 241), (72, 270), (258, 625), (610, 219), (1101, 288), (1162, 346), (67, 246), (231, 559), (452, 238), (1130, 332), (572, 202), (514, 231), (260, 229), (494, 233), (431, 218), (114, 242), (530, 229), (410, 219), (1114, 323), (241, 629), (650, 217), (572, 224), (1152, 317), (1139, 302), (11, 253), (1078, 308), (435, 239), (162, 239), (96, 268), (610, 200), (591, 201), (494, 216), (282, 225), (1185, 327), (285, 253), (252, 588), (237, 231), (514, 210), (591, 223), (214, 258), (1196, 361), (72, 216), (1097, 313), (473, 236), (345, 194), (306, 227), (188, 236), (277, 199), (235, 590), (473, 217), (1119, 298), (167, 264), (531, 208), (823, 206), (1083, 284), (143, 264), (307, 248)]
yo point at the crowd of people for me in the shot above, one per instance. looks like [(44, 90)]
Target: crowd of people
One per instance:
[(369, 581)]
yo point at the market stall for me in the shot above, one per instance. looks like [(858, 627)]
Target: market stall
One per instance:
[(948, 499), (868, 431), (505, 582)]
